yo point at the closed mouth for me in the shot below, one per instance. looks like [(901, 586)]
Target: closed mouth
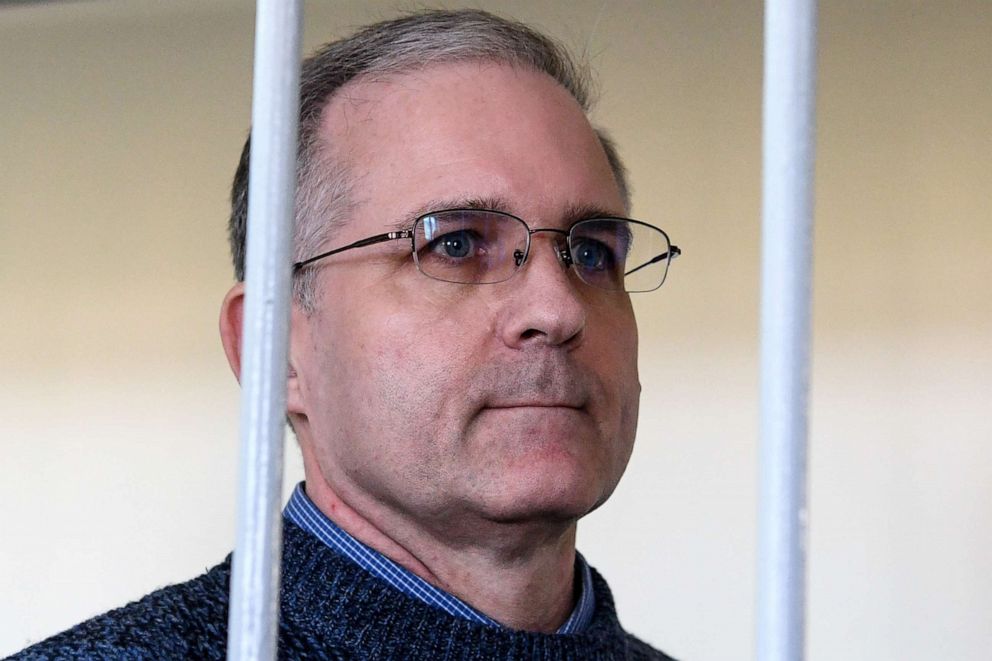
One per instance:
[(535, 405)]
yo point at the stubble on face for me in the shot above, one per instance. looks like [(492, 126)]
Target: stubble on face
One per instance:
[(417, 405), (468, 435)]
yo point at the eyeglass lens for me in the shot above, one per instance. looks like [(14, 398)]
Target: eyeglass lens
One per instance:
[(480, 247)]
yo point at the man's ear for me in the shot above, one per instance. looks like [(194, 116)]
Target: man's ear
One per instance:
[(231, 322), (299, 337)]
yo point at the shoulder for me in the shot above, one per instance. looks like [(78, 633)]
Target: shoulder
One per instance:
[(638, 650), (606, 625), (186, 620)]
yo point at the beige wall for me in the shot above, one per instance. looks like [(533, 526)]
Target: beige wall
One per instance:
[(120, 124)]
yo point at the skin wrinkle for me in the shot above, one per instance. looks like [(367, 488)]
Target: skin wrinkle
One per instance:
[(403, 380), (525, 378)]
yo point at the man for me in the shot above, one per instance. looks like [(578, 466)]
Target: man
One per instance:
[(462, 366)]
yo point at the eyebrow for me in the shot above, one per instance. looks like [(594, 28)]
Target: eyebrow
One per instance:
[(572, 214), (490, 202), (576, 212)]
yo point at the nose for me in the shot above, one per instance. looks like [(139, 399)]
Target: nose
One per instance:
[(544, 306)]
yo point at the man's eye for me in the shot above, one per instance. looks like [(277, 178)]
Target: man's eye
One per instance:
[(593, 256), (454, 245)]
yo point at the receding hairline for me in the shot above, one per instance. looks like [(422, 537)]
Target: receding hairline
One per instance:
[(331, 150), (348, 93)]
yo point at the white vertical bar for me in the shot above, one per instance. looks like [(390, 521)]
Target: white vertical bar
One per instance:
[(254, 607), (788, 142)]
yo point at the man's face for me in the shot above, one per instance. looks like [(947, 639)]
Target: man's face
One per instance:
[(446, 404)]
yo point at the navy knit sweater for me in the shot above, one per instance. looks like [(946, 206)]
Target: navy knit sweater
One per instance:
[(331, 609)]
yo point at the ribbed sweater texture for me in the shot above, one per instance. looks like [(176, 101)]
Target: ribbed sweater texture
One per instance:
[(330, 609)]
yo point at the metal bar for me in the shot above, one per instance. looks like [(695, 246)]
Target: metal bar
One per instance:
[(787, 223), (254, 606)]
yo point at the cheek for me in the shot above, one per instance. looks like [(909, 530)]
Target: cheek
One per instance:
[(615, 350), (367, 408), (614, 335), (399, 372)]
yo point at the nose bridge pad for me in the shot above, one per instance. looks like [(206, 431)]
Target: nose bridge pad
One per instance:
[(558, 245), (563, 253)]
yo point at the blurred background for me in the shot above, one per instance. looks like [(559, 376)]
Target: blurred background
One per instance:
[(120, 126)]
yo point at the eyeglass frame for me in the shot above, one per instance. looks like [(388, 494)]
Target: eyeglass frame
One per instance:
[(563, 253)]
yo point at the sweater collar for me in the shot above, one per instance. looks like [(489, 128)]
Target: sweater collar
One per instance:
[(333, 599), (304, 513)]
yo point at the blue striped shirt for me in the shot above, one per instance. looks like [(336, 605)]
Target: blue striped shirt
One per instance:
[(302, 511)]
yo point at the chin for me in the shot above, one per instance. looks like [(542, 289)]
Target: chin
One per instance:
[(551, 496), (554, 468), (545, 514)]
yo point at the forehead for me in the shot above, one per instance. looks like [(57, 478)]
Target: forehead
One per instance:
[(466, 131)]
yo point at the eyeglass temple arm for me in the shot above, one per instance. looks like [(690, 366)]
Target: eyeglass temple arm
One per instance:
[(672, 253), (372, 240)]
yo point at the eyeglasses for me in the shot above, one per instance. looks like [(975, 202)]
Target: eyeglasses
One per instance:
[(477, 247)]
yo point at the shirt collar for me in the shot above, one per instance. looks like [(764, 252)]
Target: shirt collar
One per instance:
[(305, 514)]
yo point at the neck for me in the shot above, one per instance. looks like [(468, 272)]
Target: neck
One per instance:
[(520, 579)]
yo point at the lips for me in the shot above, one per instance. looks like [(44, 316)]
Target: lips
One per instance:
[(540, 405), (530, 395)]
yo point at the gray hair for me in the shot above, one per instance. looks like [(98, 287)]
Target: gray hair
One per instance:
[(396, 46)]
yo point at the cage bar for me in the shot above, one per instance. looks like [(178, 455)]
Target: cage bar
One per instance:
[(787, 224), (254, 605)]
